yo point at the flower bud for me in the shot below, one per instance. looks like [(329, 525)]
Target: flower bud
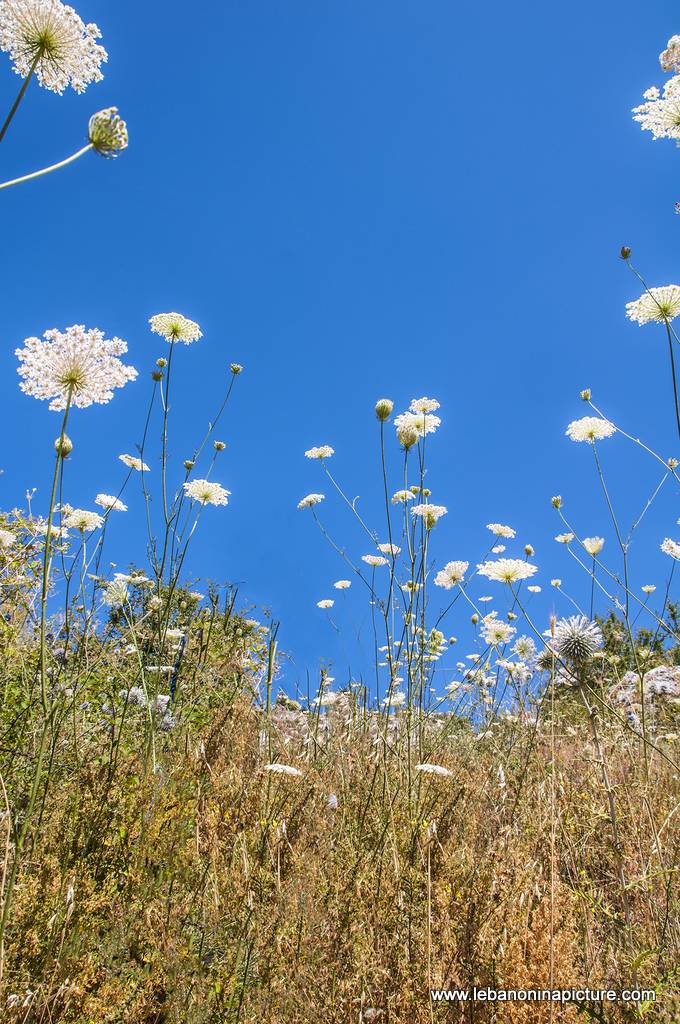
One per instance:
[(528, 550), (474, 619), (673, 463), (585, 394), (107, 132), (219, 446), (63, 446), (426, 492), (188, 465), (556, 501), (162, 363), (156, 375), (236, 368), (511, 616), (625, 252), (383, 409), (407, 437)]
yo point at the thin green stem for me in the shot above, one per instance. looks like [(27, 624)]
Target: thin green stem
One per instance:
[(47, 170)]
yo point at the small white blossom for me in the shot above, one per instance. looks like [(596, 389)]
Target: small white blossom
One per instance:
[(175, 327), (132, 462), (506, 570), (311, 499), (494, 631), (116, 593), (451, 575), (501, 531), (207, 492), (110, 502), (419, 422), (282, 769), (374, 560), (657, 304), (326, 603), (433, 769), (7, 539), (323, 452), (389, 549), (660, 115), (564, 538), (593, 545), (590, 428), (424, 405), (671, 547), (83, 520), (342, 584), (430, 514), (401, 497)]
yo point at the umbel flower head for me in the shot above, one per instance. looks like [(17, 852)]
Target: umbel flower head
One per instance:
[(51, 33), (671, 547), (108, 132), (430, 514), (207, 492), (577, 638), (451, 575), (670, 58), (132, 462), (311, 499), (83, 520), (175, 327), (659, 114), (589, 428), (324, 451), (76, 361), (507, 570), (110, 502), (660, 304)]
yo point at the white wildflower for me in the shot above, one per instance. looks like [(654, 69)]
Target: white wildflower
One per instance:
[(433, 769), (424, 405), (374, 560), (78, 362), (389, 549), (175, 327), (670, 58), (657, 304), (451, 575), (107, 132), (648, 588), (282, 769), (534, 589), (593, 545), (501, 531), (326, 603), (83, 520), (7, 539), (132, 462), (207, 492), (342, 584), (590, 428), (494, 631), (401, 497), (110, 502), (671, 547), (507, 570), (311, 499), (116, 593), (660, 115), (564, 538), (420, 423), (430, 514), (324, 451), (51, 35)]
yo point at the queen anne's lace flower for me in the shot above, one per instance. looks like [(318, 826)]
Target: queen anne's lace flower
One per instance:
[(342, 584), (660, 115), (507, 570), (593, 545), (495, 631), (51, 35), (671, 547), (311, 499), (323, 452), (132, 462), (282, 769), (451, 575), (420, 422), (207, 492), (389, 549), (590, 428), (499, 530), (108, 132), (424, 405), (401, 497), (374, 560), (326, 603), (110, 502), (7, 539), (670, 58), (430, 514), (433, 769), (116, 593), (175, 327), (83, 520), (658, 304), (77, 361)]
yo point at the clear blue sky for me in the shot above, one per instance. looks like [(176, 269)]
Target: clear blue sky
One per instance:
[(355, 200)]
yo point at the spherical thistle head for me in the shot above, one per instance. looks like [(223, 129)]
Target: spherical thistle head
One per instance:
[(107, 133), (625, 252), (383, 409), (236, 368), (556, 501), (63, 446), (219, 446), (585, 394), (407, 436), (577, 638)]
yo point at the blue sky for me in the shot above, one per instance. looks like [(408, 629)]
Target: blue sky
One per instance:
[(355, 200)]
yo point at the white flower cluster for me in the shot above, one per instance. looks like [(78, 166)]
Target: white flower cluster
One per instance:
[(659, 304), (132, 462), (207, 492), (430, 514), (451, 575), (108, 501), (175, 327), (311, 499), (52, 36), (507, 570), (323, 452), (79, 362), (660, 113), (83, 520), (590, 428)]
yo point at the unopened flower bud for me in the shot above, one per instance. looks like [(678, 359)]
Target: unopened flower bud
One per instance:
[(426, 492), (673, 463), (511, 616), (474, 619), (625, 252), (585, 394), (556, 501), (107, 132), (528, 550), (383, 409), (407, 437), (156, 375), (63, 446), (219, 446), (236, 368), (188, 465), (162, 363)]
